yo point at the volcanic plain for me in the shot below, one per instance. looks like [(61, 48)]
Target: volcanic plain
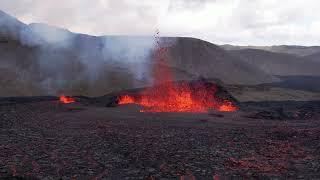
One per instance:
[(42, 138)]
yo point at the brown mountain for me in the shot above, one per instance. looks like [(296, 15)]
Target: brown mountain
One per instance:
[(313, 57), (288, 49), (206, 59), (278, 63), (38, 59)]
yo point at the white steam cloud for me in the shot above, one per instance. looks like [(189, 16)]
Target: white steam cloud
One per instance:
[(65, 61)]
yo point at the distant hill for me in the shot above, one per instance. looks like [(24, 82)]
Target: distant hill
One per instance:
[(39, 59), (313, 57), (293, 50), (278, 63), (10, 27), (208, 60)]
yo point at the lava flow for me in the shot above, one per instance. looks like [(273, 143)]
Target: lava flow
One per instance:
[(126, 99), (227, 106), (66, 100), (167, 96), (178, 97)]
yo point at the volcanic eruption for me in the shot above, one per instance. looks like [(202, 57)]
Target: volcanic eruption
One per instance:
[(169, 96)]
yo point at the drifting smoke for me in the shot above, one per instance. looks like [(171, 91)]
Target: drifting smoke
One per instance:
[(62, 62), (9, 26), (40, 34), (135, 53)]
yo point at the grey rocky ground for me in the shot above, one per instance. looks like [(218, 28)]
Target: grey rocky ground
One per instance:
[(48, 140)]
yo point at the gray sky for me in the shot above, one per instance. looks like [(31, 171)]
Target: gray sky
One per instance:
[(243, 22)]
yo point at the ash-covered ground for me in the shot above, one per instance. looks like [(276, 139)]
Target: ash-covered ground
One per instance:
[(44, 139)]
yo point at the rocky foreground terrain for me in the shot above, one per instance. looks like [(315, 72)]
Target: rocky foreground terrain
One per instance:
[(44, 139)]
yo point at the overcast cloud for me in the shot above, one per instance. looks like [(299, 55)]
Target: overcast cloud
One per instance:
[(244, 22)]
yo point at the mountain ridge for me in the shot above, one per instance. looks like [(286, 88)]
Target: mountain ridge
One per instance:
[(288, 49), (53, 60), (282, 64)]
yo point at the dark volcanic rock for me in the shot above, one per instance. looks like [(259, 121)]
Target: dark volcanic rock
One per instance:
[(288, 110), (48, 141), (19, 100)]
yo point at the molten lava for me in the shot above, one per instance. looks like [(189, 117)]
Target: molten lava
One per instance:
[(66, 100), (178, 97), (126, 99), (227, 106), (166, 96)]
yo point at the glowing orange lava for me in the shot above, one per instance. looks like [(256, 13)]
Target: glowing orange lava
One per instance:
[(227, 106), (66, 100), (166, 96), (179, 97), (126, 99), (171, 97)]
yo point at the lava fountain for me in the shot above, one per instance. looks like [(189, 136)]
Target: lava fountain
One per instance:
[(169, 96)]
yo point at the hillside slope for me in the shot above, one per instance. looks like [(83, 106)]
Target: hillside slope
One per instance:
[(313, 57), (278, 63), (209, 60), (38, 59), (293, 50)]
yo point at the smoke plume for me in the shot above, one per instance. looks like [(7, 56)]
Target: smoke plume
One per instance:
[(60, 61)]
